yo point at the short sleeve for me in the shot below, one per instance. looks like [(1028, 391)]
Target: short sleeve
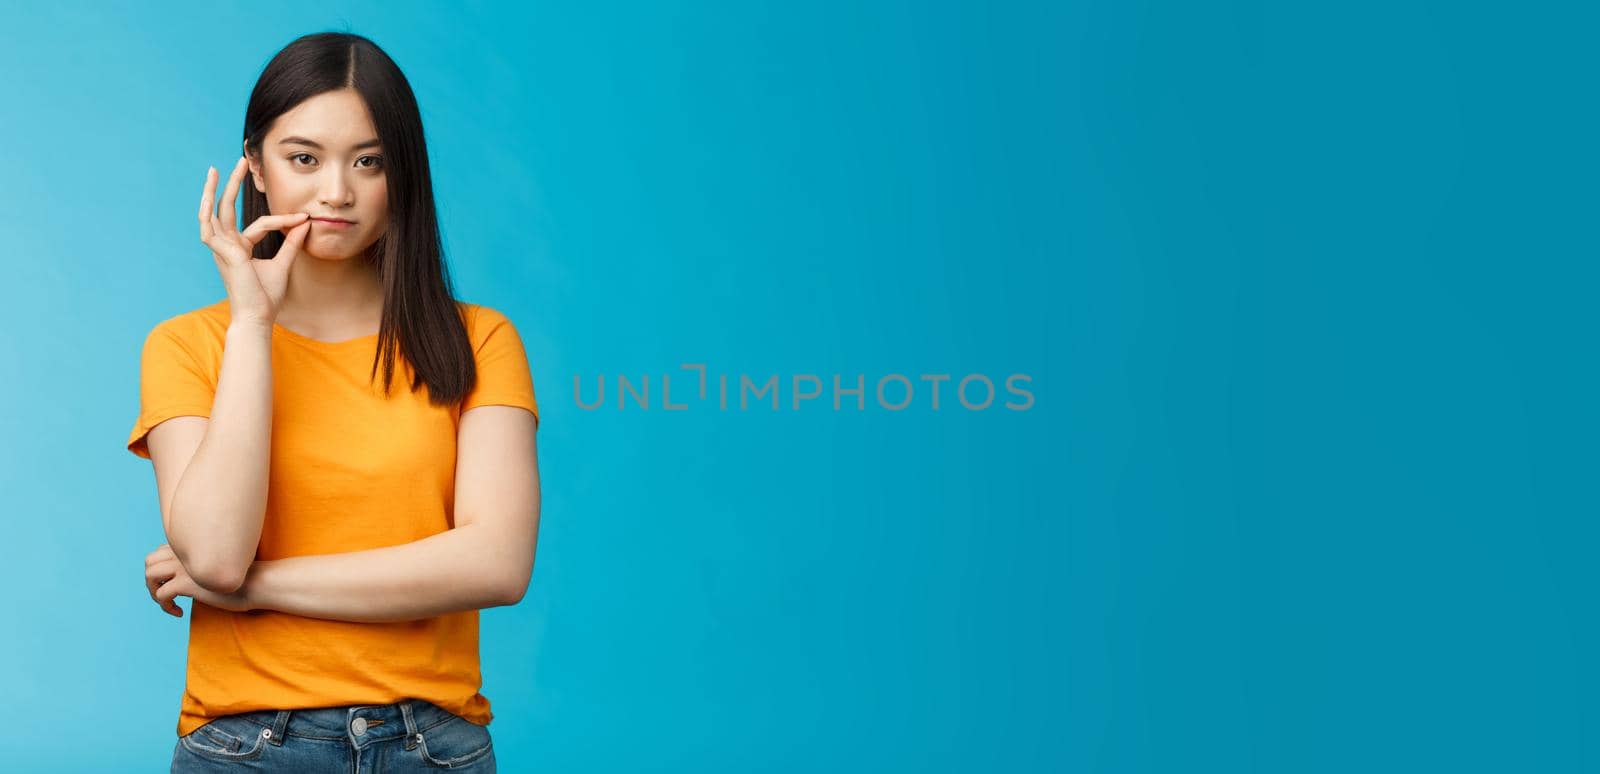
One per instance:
[(172, 383), (503, 375)]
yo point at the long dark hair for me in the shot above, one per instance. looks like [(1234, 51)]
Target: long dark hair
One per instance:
[(420, 316)]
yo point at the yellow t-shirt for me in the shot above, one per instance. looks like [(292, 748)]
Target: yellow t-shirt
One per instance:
[(350, 471)]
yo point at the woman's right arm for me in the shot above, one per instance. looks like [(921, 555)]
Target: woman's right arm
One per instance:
[(212, 472)]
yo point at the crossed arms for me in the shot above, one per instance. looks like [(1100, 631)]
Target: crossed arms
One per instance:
[(485, 561)]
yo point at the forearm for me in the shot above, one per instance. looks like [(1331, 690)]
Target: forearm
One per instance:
[(444, 573), (220, 503)]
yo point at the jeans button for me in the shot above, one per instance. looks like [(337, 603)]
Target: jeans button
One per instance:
[(359, 726)]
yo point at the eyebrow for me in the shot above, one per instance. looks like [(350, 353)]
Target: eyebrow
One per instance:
[(373, 143)]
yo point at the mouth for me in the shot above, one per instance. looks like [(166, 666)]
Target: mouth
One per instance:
[(335, 223)]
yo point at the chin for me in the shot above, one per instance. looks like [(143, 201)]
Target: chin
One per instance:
[(325, 255)]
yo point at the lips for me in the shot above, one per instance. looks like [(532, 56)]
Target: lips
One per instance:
[(326, 225)]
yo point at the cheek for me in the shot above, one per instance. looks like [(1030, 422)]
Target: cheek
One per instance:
[(288, 193), (377, 207)]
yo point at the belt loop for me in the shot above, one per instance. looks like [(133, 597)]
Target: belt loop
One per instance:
[(280, 726), (411, 725)]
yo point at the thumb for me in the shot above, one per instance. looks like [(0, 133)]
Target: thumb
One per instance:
[(292, 242)]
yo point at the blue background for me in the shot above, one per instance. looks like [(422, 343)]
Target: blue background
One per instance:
[(1306, 297)]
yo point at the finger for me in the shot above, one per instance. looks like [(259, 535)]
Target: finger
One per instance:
[(171, 608), (205, 203), (155, 576), (155, 593), (230, 221), (227, 251), (160, 553), (170, 604), (169, 590), (222, 235), (258, 230), (292, 243)]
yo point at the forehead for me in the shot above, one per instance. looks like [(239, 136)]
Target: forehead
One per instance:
[(336, 119)]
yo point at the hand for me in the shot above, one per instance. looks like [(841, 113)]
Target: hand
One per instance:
[(255, 286), (166, 579)]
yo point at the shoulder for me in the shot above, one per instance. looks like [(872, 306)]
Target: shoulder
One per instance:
[(486, 324), (480, 317), (198, 330)]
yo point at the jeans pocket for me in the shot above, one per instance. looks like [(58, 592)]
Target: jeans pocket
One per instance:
[(454, 743), (227, 738)]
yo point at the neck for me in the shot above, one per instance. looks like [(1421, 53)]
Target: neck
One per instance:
[(328, 294)]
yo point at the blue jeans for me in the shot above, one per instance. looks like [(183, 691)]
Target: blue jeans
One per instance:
[(409, 736)]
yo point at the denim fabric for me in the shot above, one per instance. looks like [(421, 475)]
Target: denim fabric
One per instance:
[(408, 736)]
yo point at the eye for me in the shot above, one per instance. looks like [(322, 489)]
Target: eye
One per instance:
[(298, 156), (377, 161)]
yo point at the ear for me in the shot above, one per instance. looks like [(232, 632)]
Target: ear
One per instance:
[(255, 169)]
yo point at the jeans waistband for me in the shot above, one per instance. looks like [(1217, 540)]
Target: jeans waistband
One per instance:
[(357, 723)]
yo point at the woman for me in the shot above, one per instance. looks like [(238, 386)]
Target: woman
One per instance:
[(337, 533)]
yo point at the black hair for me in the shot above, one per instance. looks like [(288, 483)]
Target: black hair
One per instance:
[(421, 320)]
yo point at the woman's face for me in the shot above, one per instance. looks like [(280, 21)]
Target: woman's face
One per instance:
[(323, 158)]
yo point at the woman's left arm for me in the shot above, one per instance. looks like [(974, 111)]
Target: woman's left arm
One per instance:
[(485, 561)]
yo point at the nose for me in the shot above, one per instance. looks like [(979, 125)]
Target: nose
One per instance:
[(335, 191)]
